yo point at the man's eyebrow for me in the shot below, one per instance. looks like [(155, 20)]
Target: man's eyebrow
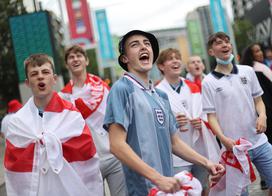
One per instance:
[(134, 41), (33, 71)]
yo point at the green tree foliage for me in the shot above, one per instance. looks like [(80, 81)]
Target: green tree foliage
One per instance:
[(8, 73), (244, 34)]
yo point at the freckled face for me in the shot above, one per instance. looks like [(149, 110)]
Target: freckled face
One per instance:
[(41, 79)]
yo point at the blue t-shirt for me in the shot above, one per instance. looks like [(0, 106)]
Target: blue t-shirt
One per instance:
[(147, 118)]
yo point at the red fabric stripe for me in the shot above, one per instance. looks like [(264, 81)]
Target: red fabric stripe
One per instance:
[(193, 87), (190, 175), (229, 159), (208, 126), (57, 104), (19, 159), (252, 173), (153, 192), (186, 188), (198, 83), (68, 88), (79, 148), (83, 108)]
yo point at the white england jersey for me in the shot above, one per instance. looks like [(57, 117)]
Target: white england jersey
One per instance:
[(231, 97)]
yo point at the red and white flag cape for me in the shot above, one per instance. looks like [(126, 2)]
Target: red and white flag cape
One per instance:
[(54, 155), (90, 100), (204, 141)]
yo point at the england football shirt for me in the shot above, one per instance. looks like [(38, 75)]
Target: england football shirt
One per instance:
[(231, 97), (146, 116)]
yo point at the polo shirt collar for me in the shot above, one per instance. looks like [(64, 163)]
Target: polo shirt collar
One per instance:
[(178, 86), (219, 75), (139, 82)]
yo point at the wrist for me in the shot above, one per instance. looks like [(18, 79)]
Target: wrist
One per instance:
[(155, 177), (262, 115), (207, 164), (222, 138)]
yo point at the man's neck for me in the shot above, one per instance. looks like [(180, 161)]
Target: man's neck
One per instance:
[(224, 69), (172, 80), (79, 80), (143, 76), (42, 102)]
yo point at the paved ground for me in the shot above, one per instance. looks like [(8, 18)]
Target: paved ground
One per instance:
[(254, 189)]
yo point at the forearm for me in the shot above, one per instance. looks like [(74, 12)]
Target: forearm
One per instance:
[(261, 120), (127, 156), (215, 126), (260, 107), (182, 150), (226, 141)]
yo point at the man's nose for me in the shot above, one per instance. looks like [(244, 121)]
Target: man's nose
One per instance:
[(40, 75), (143, 46), (225, 43)]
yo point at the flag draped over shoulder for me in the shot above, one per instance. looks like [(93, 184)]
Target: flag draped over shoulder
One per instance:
[(239, 171), (203, 141), (53, 155), (90, 100)]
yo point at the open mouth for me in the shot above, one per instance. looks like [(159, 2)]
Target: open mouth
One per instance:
[(76, 65), (144, 58), (225, 51), (176, 67), (41, 86)]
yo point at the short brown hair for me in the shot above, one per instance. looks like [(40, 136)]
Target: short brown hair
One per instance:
[(75, 49), (38, 59), (213, 37), (164, 55)]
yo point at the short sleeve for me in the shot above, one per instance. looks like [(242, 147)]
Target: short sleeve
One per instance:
[(172, 123), (256, 89), (118, 108), (208, 99)]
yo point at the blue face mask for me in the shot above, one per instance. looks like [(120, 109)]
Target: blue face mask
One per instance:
[(226, 62)]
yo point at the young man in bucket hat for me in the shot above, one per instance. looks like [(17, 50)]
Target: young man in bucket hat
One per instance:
[(142, 128)]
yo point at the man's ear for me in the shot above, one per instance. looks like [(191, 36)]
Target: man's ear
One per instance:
[(124, 59), (66, 65), (55, 79), (160, 67), (27, 82), (87, 61), (210, 52)]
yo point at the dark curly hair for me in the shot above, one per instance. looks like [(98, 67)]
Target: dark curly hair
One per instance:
[(247, 57)]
